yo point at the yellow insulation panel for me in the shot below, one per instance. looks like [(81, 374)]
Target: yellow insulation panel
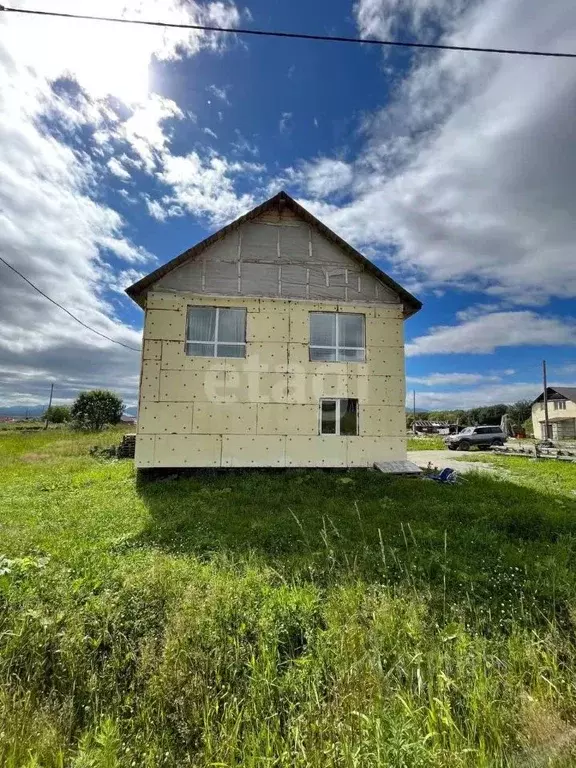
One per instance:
[(151, 350), (267, 326), (383, 333), (165, 324), (381, 390), (299, 362), (261, 357), (225, 418), (263, 410), (163, 300), (150, 381), (384, 361), (279, 419), (192, 386), (299, 324), (144, 455), (378, 420), (193, 299), (309, 388), (364, 451), (159, 418), (174, 358), (253, 387), (253, 451), (316, 451), (187, 450)]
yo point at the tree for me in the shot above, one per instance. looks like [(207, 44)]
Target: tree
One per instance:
[(529, 428), (489, 414), (57, 414), (93, 410), (519, 412)]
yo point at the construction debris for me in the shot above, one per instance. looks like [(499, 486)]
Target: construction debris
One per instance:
[(127, 447)]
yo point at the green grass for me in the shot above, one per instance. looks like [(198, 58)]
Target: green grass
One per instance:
[(282, 619), (434, 443)]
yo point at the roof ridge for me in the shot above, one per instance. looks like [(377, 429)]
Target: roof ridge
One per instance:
[(410, 302)]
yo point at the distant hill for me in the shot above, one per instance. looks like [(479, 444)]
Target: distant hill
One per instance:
[(34, 411), (20, 411)]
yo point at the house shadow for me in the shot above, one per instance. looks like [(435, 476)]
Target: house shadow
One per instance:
[(484, 536)]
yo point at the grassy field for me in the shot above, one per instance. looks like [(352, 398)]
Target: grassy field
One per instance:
[(433, 443), (269, 619)]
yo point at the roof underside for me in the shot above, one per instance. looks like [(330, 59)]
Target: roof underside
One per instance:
[(138, 291)]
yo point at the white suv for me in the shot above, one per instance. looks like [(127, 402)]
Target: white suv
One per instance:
[(482, 437)]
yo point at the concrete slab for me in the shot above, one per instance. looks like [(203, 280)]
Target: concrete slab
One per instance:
[(398, 467)]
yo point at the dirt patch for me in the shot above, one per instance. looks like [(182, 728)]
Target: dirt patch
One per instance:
[(33, 458)]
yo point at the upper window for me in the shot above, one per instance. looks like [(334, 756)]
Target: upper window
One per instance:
[(216, 332), (337, 337), (339, 417), (559, 405)]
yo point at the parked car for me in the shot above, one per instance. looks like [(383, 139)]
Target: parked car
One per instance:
[(482, 437)]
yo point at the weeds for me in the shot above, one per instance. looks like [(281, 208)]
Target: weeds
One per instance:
[(269, 619)]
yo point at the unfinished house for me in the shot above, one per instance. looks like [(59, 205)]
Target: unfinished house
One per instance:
[(272, 343), (561, 414)]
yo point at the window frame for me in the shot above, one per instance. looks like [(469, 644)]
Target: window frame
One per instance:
[(337, 348), (338, 401), (215, 344), (559, 405)]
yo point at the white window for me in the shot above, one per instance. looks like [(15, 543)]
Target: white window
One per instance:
[(559, 405), (216, 332), (337, 337), (339, 417)]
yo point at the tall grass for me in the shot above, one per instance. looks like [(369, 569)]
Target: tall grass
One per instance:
[(302, 619)]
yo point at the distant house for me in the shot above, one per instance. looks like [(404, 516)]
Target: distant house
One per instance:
[(272, 343), (127, 419), (424, 427), (561, 414)]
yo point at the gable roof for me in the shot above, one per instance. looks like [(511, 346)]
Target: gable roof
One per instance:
[(137, 291), (567, 392)]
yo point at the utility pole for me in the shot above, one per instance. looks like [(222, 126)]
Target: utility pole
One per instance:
[(414, 411), (546, 422), (49, 405)]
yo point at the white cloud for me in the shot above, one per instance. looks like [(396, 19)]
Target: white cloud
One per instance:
[(205, 187), (470, 171), (477, 396), (54, 226), (500, 329), (144, 129), (156, 209), (285, 123), (394, 18), (470, 313), (324, 176), (451, 379), (220, 93), (114, 58), (210, 132), (243, 146), (568, 370), (117, 169)]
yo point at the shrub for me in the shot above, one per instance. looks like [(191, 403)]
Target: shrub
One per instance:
[(93, 410), (57, 414), (529, 428)]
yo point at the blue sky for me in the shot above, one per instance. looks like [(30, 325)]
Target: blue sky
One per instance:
[(120, 147)]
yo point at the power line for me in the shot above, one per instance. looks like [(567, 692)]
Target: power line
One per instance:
[(293, 35), (134, 349)]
